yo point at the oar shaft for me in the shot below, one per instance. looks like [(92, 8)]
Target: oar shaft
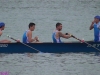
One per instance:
[(92, 46), (13, 39), (86, 43), (30, 47), (24, 44)]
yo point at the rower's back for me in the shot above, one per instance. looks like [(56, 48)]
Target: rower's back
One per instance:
[(25, 38)]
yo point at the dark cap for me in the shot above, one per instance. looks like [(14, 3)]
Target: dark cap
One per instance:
[(97, 17), (2, 24)]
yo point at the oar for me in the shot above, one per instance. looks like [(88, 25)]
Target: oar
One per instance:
[(25, 44), (86, 43)]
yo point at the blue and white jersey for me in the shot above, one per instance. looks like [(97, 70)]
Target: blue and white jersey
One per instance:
[(25, 38), (54, 37), (96, 32)]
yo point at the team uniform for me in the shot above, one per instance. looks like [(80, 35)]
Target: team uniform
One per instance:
[(96, 32), (25, 38), (54, 37)]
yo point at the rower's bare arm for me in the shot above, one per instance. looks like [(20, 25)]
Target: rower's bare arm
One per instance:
[(29, 34), (64, 36), (91, 26), (0, 33)]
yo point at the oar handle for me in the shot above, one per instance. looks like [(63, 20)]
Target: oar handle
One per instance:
[(72, 36)]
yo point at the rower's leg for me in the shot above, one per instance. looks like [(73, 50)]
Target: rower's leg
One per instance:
[(37, 42), (5, 41)]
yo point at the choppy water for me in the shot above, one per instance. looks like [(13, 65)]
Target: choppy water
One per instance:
[(75, 15), (51, 64)]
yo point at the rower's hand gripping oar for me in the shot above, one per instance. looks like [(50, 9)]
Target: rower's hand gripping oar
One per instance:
[(24, 44), (85, 42)]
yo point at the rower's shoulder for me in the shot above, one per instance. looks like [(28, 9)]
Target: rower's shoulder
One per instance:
[(60, 33), (57, 31), (29, 32)]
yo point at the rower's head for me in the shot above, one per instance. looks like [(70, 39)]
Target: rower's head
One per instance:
[(2, 25), (32, 26), (97, 19), (59, 26)]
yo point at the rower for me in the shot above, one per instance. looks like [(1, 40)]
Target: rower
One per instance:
[(57, 34), (2, 27), (96, 25), (27, 36)]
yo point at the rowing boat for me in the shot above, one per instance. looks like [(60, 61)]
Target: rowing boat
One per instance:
[(49, 47)]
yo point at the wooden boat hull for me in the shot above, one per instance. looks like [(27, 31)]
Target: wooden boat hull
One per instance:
[(49, 47)]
